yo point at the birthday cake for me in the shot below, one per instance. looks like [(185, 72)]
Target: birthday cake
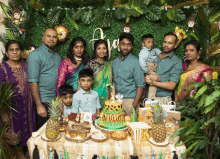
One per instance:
[(112, 116)]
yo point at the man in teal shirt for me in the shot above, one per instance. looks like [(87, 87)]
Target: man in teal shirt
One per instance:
[(128, 76), (43, 64), (169, 68)]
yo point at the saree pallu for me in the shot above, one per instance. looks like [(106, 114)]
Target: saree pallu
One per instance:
[(72, 78), (68, 74), (22, 121), (102, 75), (189, 76)]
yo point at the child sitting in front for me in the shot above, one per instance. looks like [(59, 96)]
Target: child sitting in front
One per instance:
[(66, 93), (86, 99), (147, 60)]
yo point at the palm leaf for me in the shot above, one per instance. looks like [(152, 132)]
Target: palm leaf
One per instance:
[(153, 13), (88, 17), (56, 16), (78, 14), (180, 16), (119, 13), (103, 17)]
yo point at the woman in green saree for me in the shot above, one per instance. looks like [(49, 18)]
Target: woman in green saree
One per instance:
[(102, 70)]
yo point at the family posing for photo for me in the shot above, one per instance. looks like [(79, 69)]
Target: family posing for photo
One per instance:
[(81, 82)]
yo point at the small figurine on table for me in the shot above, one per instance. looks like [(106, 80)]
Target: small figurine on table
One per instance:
[(51, 153), (147, 156), (119, 97), (161, 155), (77, 117), (181, 155), (175, 156), (61, 156), (154, 156)]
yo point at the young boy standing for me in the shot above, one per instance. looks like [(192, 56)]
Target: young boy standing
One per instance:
[(66, 93), (147, 60), (86, 99)]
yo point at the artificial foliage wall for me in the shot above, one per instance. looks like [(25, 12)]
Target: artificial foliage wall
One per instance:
[(139, 26)]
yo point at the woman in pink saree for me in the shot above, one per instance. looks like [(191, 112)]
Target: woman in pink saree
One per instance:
[(194, 69), (77, 58)]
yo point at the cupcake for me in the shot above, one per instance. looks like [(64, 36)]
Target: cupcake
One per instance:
[(67, 131), (73, 134), (83, 134)]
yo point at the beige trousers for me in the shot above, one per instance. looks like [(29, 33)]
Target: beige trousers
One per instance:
[(152, 68), (128, 107), (164, 100)]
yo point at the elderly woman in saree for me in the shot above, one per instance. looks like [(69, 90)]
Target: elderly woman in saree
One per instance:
[(22, 118), (77, 58), (194, 69), (102, 70)]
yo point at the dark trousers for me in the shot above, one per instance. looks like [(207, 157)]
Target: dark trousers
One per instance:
[(40, 121)]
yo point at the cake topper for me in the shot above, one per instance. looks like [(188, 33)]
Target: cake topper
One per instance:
[(119, 97), (112, 98)]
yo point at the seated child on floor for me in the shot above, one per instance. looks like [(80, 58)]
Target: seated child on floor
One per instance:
[(86, 99), (147, 60), (66, 93)]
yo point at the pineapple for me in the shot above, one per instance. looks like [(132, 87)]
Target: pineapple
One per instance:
[(158, 131), (53, 125)]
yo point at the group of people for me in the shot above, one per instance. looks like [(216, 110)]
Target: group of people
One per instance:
[(81, 82)]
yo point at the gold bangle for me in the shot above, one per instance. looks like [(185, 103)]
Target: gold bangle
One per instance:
[(40, 106)]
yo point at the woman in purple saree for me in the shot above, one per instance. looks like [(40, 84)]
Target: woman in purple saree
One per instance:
[(22, 121)]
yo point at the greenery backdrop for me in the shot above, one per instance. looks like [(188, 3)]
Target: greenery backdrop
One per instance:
[(140, 26)]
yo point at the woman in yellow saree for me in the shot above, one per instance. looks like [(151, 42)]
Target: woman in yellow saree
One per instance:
[(102, 70), (194, 69)]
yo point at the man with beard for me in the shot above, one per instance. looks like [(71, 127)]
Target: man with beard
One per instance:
[(43, 64), (169, 68), (128, 77)]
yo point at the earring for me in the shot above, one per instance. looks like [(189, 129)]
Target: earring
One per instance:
[(198, 57)]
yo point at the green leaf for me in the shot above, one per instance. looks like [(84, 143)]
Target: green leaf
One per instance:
[(56, 16), (5, 9), (87, 18), (196, 148), (210, 107), (180, 16), (190, 130), (171, 14), (119, 13), (73, 23), (11, 35), (103, 17), (153, 13), (191, 147), (177, 133), (208, 101), (132, 12), (215, 94), (202, 100), (201, 91), (78, 14), (203, 17)]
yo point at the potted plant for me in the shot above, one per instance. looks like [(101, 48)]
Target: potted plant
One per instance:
[(201, 120), (6, 92)]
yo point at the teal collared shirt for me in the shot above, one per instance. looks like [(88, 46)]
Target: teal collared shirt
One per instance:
[(85, 102), (43, 67), (169, 69), (128, 75), (67, 110)]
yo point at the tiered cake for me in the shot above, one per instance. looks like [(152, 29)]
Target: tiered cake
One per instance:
[(112, 116)]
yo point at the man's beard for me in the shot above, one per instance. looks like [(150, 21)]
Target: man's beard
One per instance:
[(50, 47), (167, 52)]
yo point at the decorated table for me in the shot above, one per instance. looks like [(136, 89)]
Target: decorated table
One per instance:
[(123, 148)]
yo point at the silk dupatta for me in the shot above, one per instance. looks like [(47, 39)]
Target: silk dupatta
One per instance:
[(189, 76), (72, 78), (102, 76)]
